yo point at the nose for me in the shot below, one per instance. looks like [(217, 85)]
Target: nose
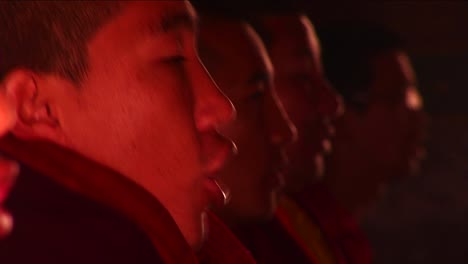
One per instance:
[(212, 107), (330, 104), (283, 131)]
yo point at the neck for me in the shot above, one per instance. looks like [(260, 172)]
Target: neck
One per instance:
[(341, 190), (106, 187)]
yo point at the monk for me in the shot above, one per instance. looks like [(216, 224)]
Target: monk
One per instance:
[(238, 61), (312, 106), (381, 136), (322, 226), (116, 133), (235, 56)]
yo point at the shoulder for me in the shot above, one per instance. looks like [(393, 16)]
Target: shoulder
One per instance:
[(55, 225)]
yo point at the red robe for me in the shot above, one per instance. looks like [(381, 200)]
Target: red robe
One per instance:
[(120, 194), (280, 241), (343, 235), (270, 243)]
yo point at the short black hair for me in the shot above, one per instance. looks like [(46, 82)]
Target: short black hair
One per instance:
[(50, 36), (246, 9), (347, 50), (262, 31)]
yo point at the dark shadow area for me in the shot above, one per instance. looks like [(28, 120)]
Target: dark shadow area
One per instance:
[(422, 219)]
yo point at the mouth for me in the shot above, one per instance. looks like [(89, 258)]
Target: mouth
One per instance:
[(219, 158), (324, 145), (218, 193), (281, 166)]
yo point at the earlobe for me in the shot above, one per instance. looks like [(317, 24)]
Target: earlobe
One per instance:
[(35, 120)]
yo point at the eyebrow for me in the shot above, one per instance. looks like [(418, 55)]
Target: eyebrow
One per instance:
[(171, 22)]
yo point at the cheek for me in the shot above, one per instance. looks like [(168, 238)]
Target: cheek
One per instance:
[(249, 166), (129, 118), (300, 110), (390, 130)]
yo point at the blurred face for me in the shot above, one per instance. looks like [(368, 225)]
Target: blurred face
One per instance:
[(149, 110), (238, 62), (385, 142), (307, 98)]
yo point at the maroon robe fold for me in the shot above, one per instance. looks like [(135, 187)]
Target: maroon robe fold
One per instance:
[(344, 237), (270, 243)]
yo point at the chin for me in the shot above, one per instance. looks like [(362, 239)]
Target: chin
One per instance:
[(200, 237)]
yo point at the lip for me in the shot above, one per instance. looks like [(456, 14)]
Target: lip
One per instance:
[(219, 157), (281, 164), (218, 151), (218, 193), (327, 133), (322, 146)]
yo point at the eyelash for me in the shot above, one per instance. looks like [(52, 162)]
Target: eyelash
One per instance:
[(178, 59), (257, 95)]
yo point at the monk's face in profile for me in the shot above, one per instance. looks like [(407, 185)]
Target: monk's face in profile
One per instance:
[(308, 99), (147, 108), (385, 141), (238, 62)]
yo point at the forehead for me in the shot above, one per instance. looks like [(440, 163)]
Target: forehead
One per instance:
[(140, 19), (294, 41), (235, 46)]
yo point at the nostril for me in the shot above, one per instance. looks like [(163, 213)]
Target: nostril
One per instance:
[(215, 113)]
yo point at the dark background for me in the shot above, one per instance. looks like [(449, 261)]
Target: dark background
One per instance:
[(422, 219)]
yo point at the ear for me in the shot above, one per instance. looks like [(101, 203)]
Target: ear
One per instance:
[(8, 115), (35, 118)]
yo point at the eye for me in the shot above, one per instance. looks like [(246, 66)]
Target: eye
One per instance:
[(258, 94), (176, 64), (258, 91), (177, 59)]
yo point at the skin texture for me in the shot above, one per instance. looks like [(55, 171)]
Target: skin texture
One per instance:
[(307, 97), (383, 143), (238, 62), (147, 109)]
